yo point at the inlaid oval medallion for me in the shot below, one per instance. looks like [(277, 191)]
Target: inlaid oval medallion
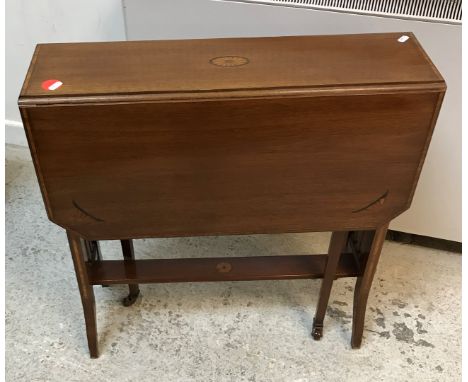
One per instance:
[(223, 267), (229, 61)]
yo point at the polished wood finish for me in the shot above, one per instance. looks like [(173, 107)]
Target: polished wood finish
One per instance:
[(218, 269), (364, 283), (230, 136), (220, 167), (338, 243), (175, 68), (79, 255)]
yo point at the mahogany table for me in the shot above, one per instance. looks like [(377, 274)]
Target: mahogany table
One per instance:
[(153, 139)]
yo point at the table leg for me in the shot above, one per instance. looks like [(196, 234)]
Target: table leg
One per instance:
[(363, 285), (79, 255), (129, 254), (337, 244)]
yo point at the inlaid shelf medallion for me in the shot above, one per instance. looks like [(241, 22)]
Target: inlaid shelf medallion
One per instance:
[(153, 139)]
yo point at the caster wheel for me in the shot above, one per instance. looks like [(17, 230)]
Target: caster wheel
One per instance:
[(130, 299), (317, 333), (317, 330)]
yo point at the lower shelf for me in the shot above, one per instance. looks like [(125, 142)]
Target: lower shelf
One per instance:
[(217, 269)]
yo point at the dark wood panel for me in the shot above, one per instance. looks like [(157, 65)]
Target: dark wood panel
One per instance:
[(227, 167), (249, 63), (216, 269)]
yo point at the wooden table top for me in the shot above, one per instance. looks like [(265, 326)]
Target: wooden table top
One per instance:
[(220, 65), (230, 136)]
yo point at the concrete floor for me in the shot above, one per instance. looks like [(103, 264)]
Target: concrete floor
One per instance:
[(245, 331)]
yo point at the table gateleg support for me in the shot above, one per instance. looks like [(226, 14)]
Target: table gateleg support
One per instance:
[(129, 255), (94, 253), (79, 252), (338, 243), (363, 285)]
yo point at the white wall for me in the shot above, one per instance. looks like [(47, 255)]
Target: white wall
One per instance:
[(29, 22), (436, 209)]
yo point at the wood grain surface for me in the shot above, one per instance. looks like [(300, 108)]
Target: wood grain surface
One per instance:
[(286, 267), (228, 167), (181, 66), (257, 161)]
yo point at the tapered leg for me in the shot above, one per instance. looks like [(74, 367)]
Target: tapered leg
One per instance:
[(363, 285), (129, 254), (79, 255), (337, 244)]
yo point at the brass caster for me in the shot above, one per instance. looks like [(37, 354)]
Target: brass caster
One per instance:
[(130, 299), (317, 331)]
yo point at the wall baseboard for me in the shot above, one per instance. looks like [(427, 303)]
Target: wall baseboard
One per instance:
[(424, 241), (14, 133)]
